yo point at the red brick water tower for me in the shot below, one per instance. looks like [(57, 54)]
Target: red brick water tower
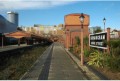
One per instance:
[(73, 28)]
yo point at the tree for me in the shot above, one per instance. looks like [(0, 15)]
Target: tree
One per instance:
[(77, 40), (98, 30), (86, 41)]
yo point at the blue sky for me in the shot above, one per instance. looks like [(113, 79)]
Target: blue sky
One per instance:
[(53, 12)]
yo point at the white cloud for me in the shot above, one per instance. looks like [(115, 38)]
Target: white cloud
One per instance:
[(31, 4)]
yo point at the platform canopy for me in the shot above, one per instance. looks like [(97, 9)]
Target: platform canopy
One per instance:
[(18, 34)]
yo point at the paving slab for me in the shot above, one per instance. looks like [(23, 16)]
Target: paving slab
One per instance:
[(62, 66), (38, 66)]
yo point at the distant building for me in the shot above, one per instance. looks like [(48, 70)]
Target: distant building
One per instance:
[(119, 33), (44, 29), (115, 34), (37, 25), (93, 29), (10, 24)]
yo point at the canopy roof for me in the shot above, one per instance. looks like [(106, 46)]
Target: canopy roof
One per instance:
[(18, 34)]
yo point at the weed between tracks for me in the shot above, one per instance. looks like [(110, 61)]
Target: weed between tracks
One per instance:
[(17, 65)]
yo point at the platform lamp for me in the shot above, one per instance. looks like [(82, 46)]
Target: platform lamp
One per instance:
[(104, 21), (82, 53)]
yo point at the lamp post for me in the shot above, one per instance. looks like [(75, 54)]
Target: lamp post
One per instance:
[(67, 43), (82, 53), (2, 39), (70, 39), (104, 21)]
